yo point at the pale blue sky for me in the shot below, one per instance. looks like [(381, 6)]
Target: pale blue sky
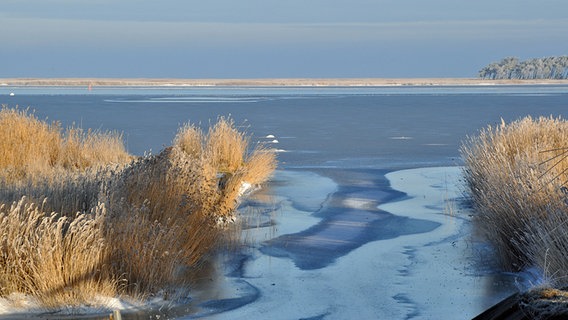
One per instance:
[(268, 38)]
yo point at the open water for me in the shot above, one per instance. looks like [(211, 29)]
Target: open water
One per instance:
[(385, 127), (336, 146)]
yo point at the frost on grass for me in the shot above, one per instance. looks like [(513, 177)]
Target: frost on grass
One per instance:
[(80, 222), (516, 175)]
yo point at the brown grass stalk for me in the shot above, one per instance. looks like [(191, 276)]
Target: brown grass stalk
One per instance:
[(30, 149), (517, 191), (81, 220), (55, 259)]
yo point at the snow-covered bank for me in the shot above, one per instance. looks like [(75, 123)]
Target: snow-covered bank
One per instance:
[(431, 275)]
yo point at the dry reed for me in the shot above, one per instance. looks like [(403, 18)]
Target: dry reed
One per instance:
[(31, 149), (178, 197), (135, 229), (543, 303), (515, 175), (226, 147), (55, 259)]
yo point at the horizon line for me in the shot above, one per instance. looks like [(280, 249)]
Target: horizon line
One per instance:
[(308, 82)]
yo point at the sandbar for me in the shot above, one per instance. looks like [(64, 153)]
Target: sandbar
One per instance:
[(271, 82)]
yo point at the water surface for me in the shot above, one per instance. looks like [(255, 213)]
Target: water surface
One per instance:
[(371, 127)]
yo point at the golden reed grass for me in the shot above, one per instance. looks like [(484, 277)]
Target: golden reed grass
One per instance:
[(100, 223), (516, 175), (31, 149), (53, 258)]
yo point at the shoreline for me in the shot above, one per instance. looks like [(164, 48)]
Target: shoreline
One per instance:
[(413, 264), (270, 82)]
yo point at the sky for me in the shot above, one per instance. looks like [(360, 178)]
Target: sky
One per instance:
[(274, 38)]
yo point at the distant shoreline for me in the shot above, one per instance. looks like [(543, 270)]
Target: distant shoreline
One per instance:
[(276, 82)]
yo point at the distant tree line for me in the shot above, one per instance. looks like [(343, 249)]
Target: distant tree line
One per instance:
[(538, 68)]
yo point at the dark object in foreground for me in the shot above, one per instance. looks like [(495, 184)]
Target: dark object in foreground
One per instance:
[(504, 310), (540, 303)]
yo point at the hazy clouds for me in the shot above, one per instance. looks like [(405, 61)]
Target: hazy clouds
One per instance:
[(289, 11), (270, 38)]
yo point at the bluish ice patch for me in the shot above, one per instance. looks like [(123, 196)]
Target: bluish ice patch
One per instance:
[(349, 219), (307, 190)]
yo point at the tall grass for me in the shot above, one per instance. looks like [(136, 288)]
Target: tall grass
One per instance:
[(97, 225), (223, 157), (32, 149), (515, 174), (86, 149), (27, 143), (56, 259)]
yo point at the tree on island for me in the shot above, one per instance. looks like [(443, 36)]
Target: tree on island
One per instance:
[(537, 68)]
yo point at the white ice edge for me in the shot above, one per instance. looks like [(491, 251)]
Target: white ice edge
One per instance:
[(20, 306), (308, 190)]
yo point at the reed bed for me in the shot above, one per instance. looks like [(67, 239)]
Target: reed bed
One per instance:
[(32, 149), (516, 175), (82, 219), (53, 258)]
